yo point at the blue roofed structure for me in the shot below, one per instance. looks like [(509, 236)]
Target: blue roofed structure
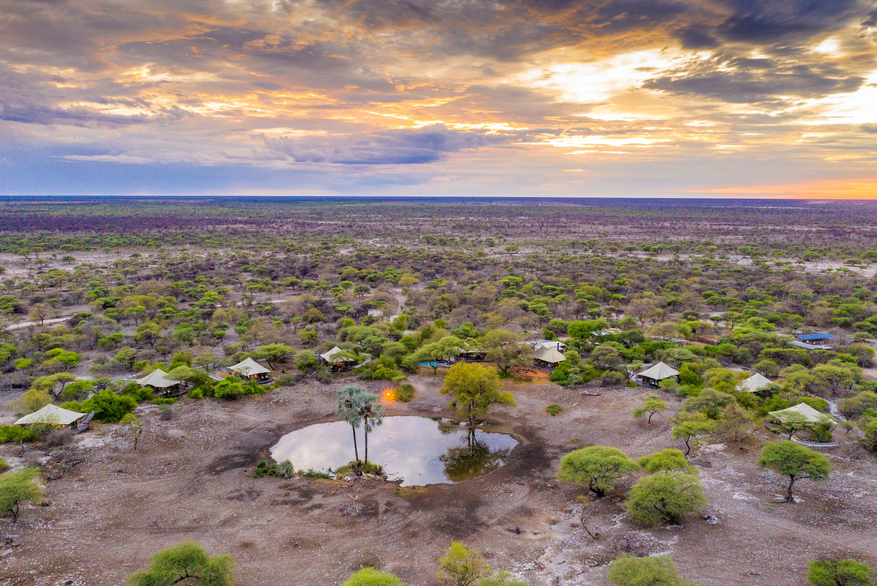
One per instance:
[(814, 337)]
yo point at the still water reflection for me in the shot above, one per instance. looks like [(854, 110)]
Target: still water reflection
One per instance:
[(417, 449)]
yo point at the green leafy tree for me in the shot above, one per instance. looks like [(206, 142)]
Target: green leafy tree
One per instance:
[(597, 467), (791, 423), (131, 423), (666, 461), (690, 426), (186, 563), (664, 498), (19, 487), (108, 406), (501, 578), (787, 458), (474, 388), (710, 402), (840, 573), (306, 361), (629, 570), (462, 566), (652, 406), (274, 353), (507, 350), (735, 423), (372, 577)]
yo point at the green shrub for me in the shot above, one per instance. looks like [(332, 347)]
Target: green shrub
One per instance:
[(554, 410), (664, 498), (630, 570), (4, 466), (164, 401), (16, 433), (108, 406), (196, 393), (138, 393), (310, 473), (842, 572), (372, 577), (404, 393), (286, 380)]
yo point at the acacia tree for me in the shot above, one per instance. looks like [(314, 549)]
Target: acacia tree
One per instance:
[(652, 406), (840, 573), (629, 570), (507, 349), (19, 487), (690, 426), (462, 566), (474, 389), (664, 498), (132, 424), (186, 563), (597, 467), (795, 461)]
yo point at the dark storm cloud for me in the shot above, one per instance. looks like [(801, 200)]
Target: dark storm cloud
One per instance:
[(696, 37), (392, 147), (747, 80)]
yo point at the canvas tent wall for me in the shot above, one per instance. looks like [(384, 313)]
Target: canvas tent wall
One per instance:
[(161, 381), (548, 356), (250, 369), (755, 383), (53, 415), (810, 414), (656, 373)]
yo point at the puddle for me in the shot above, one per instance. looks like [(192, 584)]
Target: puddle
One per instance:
[(419, 450)]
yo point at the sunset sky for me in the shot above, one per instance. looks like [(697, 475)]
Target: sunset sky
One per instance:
[(645, 98)]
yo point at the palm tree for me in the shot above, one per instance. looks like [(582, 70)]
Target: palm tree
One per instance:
[(371, 413), (349, 400)]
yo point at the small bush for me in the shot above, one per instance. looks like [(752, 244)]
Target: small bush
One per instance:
[(164, 401), (310, 473), (405, 393), (287, 380), (59, 437), (16, 433), (196, 393), (166, 412), (4, 466), (324, 376), (554, 410)]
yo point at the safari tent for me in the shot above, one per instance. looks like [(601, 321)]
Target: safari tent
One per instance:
[(755, 383), (161, 382), (52, 415), (810, 414), (335, 359), (653, 375), (251, 370), (548, 357)]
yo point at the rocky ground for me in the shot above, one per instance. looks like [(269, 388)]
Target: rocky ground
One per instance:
[(110, 507)]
